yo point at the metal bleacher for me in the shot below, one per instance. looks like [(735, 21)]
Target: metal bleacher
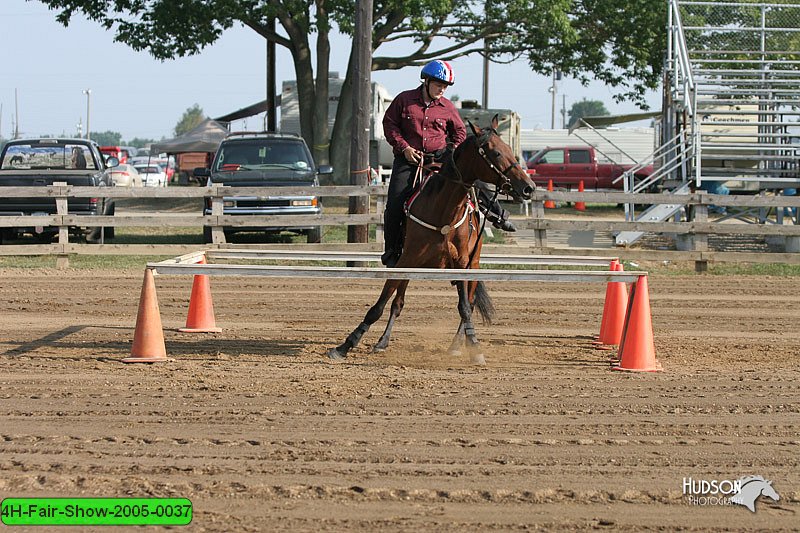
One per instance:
[(734, 103)]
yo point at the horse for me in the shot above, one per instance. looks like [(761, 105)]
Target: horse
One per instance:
[(751, 488), (442, 230)]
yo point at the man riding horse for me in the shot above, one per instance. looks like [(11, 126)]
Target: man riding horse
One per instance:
[(419, 124)]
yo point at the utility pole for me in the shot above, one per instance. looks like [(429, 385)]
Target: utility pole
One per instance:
[(271, 121), (485, 74), (553, 89), (362, 103), (88, 93), (564, 111), (16, 115)]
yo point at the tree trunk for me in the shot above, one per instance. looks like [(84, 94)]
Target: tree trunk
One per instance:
[(342, 126), (321, 147)]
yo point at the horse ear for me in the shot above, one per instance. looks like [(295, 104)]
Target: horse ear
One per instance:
[(495, 121), (475, 131)]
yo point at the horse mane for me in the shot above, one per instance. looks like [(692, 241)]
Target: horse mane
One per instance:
[(748, 479)]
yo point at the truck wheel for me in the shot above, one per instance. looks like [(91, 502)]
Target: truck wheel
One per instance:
[(109, 230), (314, 235)]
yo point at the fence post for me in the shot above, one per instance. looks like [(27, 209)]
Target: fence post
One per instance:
[(539, 232), (701, 239), (379, 207), (62, 259), (217, 233)]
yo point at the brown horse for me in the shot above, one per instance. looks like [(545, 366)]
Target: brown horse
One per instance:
[(443, 231)]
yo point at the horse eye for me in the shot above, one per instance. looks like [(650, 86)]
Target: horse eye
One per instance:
[(496, 153)]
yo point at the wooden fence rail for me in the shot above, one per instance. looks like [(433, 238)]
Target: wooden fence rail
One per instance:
[(697, 230)]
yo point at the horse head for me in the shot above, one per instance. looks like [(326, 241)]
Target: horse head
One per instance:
[(494, 162), (751, 488)]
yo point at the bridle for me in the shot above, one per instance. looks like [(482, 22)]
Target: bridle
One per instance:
[(505, 185)]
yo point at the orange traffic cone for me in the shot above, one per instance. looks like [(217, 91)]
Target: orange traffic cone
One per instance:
[(637, 352), (611, 267), (549, 204), (201, 310), (617, 305), (580, 206), (148, 339)]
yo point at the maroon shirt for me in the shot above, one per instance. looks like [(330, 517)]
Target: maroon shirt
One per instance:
[(409, 122)]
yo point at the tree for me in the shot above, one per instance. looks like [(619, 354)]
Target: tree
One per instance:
[(586, 108), (136, 142), (107, 138), (623, 47), (189, 120)]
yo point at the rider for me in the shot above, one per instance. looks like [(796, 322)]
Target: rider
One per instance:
[(420, 123)]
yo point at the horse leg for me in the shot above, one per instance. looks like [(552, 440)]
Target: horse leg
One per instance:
[(397, 308), (465, 310), (460, 338), (458, 341), (374, 313)]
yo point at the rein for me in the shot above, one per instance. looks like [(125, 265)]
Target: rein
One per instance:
[(505, 186)]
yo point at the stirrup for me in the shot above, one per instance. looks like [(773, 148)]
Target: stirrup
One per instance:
[(505, 225)]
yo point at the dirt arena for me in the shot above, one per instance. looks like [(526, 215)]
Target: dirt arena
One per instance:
[(262, 433)]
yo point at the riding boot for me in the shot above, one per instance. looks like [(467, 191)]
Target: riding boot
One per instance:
[(494, 212), (393, 219)]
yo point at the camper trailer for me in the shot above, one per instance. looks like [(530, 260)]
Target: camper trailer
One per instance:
[(380, 151)]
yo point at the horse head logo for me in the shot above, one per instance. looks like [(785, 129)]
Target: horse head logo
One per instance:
[(751, 488)]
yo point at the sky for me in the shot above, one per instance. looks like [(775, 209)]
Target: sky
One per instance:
[(50, 67)]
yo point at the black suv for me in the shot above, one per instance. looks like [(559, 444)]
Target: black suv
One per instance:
[(265, 160)]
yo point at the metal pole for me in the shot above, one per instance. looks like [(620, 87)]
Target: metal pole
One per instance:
[(553, 104), (88, 93), (16, 115), (362, 104)]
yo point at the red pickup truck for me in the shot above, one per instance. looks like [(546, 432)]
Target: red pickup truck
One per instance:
[(567, 166)]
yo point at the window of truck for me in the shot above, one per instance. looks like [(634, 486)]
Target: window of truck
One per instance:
[(579, 156), (49, 156)]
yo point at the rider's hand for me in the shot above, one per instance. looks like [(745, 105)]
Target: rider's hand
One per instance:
[(412, 155)]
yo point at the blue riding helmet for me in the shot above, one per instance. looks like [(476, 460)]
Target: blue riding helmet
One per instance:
[(439, 70)]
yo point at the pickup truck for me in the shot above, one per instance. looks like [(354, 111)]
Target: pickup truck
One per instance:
[(260, 159), (43, 162), (567, 166)]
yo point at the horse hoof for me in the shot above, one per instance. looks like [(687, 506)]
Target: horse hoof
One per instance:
[(378, 349), (335, 354), (478, 359)]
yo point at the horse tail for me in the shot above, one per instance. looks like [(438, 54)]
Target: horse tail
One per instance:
[(484, 304)]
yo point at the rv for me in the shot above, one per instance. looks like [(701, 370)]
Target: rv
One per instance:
[(380, 151)]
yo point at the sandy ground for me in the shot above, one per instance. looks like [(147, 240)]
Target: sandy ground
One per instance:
[(263, 434)]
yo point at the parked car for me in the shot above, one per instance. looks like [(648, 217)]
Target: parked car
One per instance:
[(265, 160), (166, 163), (43, 162), (152, 175), (125, 175), (122, 153)]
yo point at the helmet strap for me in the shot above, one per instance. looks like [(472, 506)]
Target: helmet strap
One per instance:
[(427, 84)]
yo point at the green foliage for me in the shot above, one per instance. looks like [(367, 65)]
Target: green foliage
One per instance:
[(189, 120), (107, 138), (586, 108), (620, 44), (136, 142)]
